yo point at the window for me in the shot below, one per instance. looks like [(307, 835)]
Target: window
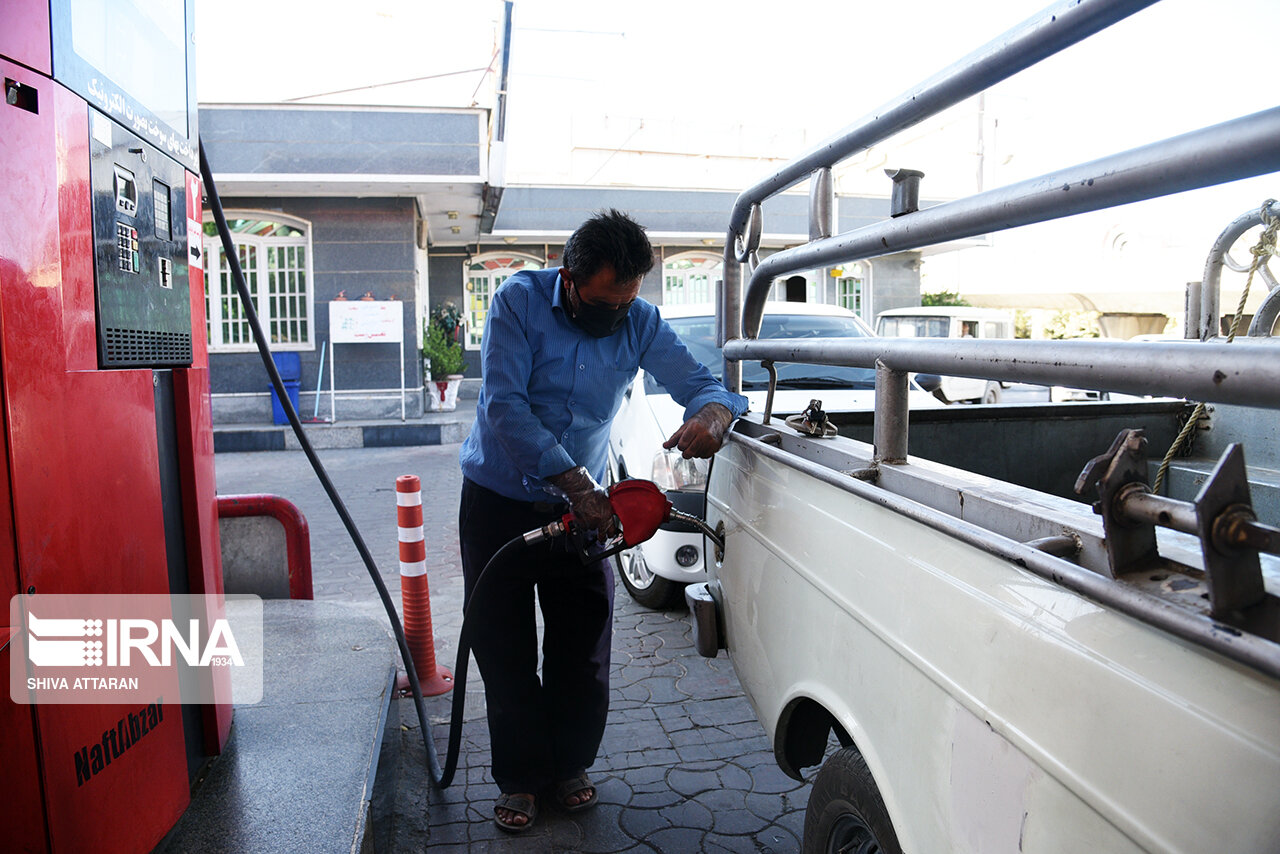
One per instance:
[(275, 255), (850, 294), (915, 327), (691, 279), (995, 329), (852, 289), (484, 276)]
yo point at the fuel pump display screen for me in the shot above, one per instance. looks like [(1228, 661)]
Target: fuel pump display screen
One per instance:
[(133, 60), (139, 45), (126, 191)]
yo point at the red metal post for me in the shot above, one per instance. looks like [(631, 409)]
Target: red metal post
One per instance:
[(297, 534)]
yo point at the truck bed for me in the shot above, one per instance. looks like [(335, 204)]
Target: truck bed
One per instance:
[(1041, 447)]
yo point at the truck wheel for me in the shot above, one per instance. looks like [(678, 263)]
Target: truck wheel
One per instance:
[(647, 588), (993, 393), (846, 812)]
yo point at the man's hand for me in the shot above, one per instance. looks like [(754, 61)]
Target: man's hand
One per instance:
[(702, 434), (588, 501)]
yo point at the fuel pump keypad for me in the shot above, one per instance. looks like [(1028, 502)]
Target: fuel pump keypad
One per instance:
[(127, 247)]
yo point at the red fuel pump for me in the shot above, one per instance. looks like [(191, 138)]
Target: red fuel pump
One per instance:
[(106, 449)]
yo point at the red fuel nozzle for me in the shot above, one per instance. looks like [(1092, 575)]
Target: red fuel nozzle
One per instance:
[(640, 507)]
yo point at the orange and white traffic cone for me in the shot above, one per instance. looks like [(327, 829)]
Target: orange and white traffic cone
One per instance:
[(414, 591)]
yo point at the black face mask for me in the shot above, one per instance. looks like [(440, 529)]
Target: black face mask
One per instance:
[(597, 320)]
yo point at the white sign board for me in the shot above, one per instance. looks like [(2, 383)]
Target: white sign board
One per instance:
[(366, 321)]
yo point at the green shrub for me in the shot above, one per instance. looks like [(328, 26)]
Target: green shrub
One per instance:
[(943, 298), (444, 355)]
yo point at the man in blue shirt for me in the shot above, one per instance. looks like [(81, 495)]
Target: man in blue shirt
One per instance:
[(560, 348)]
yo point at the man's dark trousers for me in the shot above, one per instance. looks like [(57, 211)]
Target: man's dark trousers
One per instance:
[(544, 731)]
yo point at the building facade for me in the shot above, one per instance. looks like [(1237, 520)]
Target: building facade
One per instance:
[(356, 203)]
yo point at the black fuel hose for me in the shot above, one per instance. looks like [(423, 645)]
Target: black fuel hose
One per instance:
[(441, 778)]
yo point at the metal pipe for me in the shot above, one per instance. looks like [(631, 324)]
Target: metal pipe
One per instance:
[(1240, 529), (891, 415), (1240, 148), (1191, 319), (718, 296), (501, 130), (1246, 372), (1264, 318), (1250, 649), (701, 525), (773, 385), (822, 204), (728, 327), (1040, 36), (1136, 504), (905, 197), (1211, 289)]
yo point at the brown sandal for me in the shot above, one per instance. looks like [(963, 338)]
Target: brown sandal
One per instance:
[(525, 806)]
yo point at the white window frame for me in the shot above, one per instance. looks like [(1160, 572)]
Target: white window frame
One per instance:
[(704, 264), (258, 281), (860, 272), (485, 283)]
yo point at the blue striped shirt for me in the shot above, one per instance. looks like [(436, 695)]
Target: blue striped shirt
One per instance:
[(551, 390)]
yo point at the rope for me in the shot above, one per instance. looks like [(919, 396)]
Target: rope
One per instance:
[(1261, 251)]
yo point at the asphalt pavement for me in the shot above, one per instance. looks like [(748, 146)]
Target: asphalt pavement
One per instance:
[(684, 767)]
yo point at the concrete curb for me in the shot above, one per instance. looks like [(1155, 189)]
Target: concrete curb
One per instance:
[(444, 428)]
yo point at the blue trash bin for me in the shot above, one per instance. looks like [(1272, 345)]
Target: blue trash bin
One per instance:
[(290, 367), (277, 409)]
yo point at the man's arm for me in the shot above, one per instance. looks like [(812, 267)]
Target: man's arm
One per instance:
[(709, 406)]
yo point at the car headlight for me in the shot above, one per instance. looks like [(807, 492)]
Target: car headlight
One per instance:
[(673, 471)]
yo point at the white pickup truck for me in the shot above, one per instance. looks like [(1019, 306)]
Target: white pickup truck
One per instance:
[(1017, 643)]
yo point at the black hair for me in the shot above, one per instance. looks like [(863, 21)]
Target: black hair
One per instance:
[(609, 239)]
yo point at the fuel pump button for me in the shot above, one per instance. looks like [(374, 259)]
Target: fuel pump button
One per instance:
[(128, 258)]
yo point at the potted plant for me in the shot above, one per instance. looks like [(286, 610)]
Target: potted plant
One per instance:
[(444, 364)]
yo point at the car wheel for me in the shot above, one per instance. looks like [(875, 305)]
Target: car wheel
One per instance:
[(648, 589), (993, 393), (846, 812)]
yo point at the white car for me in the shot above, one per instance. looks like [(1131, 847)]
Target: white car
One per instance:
[(656, 573)]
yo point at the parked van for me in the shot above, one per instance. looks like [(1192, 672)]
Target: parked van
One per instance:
[(951, 321)]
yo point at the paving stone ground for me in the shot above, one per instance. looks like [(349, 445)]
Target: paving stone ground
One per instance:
[(684, 767)]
